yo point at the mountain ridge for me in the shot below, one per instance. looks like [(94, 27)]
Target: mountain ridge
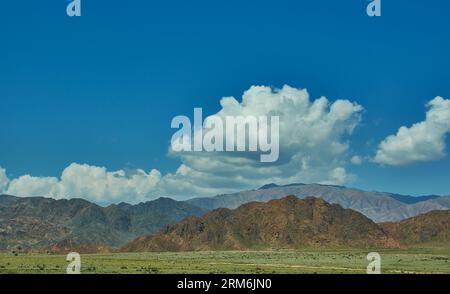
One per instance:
[(286, 223), (378, 206), (39, 222), (293, 223)]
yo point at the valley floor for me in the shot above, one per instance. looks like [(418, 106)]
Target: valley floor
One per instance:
[(420, 260)]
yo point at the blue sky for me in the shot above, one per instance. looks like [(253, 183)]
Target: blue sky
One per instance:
[(102, 89)]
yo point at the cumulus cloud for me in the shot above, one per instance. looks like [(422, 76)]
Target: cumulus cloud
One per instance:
[(423, 141), (90, 182), (356, 160), (34, 186), (314, 139), (339, 176), (314, 142), (4, 181)]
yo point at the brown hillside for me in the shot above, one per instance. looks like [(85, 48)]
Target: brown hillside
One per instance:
[(45, 224), (431, 227), (285, 223)]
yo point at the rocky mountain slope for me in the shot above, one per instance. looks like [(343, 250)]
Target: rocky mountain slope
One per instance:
[(283, 223), (429, 228), (378, 206), (37, 222), (59, 225)]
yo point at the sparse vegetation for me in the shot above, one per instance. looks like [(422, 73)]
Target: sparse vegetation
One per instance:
[(420, 260)]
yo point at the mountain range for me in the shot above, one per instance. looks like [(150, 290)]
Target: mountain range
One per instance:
[(293, 223), (286, 223), (37, 223), (378, 206)]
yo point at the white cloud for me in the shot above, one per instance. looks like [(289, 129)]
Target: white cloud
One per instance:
[(90, 182), (424, 141), (314, 142), (4, 181), (33, 186), (339, 176), (108, 186), (356, 160)]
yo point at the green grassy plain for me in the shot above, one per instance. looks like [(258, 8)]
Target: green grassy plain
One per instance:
[(420, 260)]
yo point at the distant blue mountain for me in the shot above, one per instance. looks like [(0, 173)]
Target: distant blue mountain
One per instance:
[(413, 199)]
